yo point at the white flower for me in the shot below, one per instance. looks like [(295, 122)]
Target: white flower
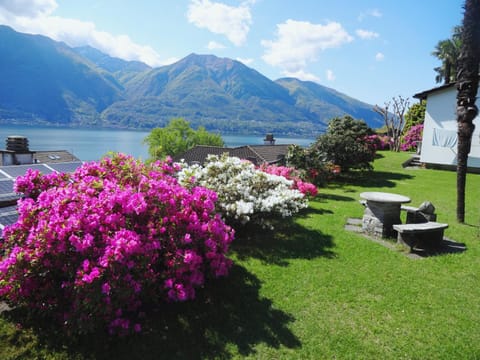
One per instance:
[(244, 193)]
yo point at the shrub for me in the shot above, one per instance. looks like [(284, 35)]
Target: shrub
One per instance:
[(411, 139), (316, 169), (92, 248), (293, 174), (345, 144), (376, 142), (245, 194), (415, 115)]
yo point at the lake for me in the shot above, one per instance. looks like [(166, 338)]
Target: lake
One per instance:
[(92, 144)]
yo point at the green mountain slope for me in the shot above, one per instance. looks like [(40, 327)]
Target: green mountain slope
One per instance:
[(328, 103), (45, 81), (122, 70), (219, 93)]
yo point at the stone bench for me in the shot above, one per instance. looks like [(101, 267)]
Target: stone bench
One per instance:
[(407, 208), (428, 233), (422, 214)]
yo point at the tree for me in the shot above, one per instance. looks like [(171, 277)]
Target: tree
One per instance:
[(394, 121), (467, 87), (415, 115), (177, 137), (345, 144), (448, 51)]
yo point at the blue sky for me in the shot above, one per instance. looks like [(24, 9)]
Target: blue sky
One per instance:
[(369, 50)]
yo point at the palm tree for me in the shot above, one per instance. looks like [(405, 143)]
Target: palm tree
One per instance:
[(467, 86), (448, 52)]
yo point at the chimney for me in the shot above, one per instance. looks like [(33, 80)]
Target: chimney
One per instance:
[(269, 140), (17, 151)]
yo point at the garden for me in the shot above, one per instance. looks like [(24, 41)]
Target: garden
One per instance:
[(127, 260)]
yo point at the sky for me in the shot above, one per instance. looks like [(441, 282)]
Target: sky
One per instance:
[(371, 50)]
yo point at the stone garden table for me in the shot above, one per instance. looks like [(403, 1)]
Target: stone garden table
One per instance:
[(382, 211)]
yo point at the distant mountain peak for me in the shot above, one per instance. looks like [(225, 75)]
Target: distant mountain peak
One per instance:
[(47, 82), (110, 63)]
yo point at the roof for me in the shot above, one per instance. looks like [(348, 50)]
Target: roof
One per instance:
[(271, 153), (424, 94), (55, 156), (50, 156), (199, 153), (257, 154), (8, 174)]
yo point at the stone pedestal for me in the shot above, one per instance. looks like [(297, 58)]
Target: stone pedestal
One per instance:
[(382, 211), (379, 218)]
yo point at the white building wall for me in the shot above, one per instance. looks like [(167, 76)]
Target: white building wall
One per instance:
[(440, 128)]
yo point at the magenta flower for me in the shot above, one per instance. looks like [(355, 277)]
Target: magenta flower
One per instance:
[(91, 248), (290, 173)]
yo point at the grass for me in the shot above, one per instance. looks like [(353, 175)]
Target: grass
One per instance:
[(312, 290)]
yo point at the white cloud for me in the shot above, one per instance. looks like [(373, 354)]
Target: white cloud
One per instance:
[(213, 45), (372, 12), (379, 56), (246, 61), (302, 75), (330, 75), (366, 34), (300, 42), (28, 7), (38, 19), (233, 22)]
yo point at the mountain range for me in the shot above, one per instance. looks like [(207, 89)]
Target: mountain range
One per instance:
[(46, 82)]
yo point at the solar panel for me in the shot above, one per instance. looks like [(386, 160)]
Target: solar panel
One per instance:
[(6, 191), (66, 167), (20, 170), (8, 215)]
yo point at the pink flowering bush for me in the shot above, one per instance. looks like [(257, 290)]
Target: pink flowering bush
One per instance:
[(412, 137), (376, 142), (93, 248), (293, 174)]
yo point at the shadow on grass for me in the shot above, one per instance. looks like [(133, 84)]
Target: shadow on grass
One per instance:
[(288, 240), (447, 246), (334, 197), (419, 249), (371, 179), (228, 315)]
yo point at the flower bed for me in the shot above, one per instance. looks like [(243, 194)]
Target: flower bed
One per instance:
[(245, 194), (91, 248)]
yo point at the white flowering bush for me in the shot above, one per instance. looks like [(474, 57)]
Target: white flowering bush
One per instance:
[(245, 194)]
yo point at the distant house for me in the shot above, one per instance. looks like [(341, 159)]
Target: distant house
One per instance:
[(17, 152), (439, 142), (257, 154)]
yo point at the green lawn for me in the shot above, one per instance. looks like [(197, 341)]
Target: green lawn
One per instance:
[(312, 290)]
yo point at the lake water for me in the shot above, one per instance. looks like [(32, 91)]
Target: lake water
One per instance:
[(92, 144)]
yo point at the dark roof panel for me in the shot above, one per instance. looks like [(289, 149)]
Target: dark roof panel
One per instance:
[(67, 167), (20, 170), (8, 215)]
